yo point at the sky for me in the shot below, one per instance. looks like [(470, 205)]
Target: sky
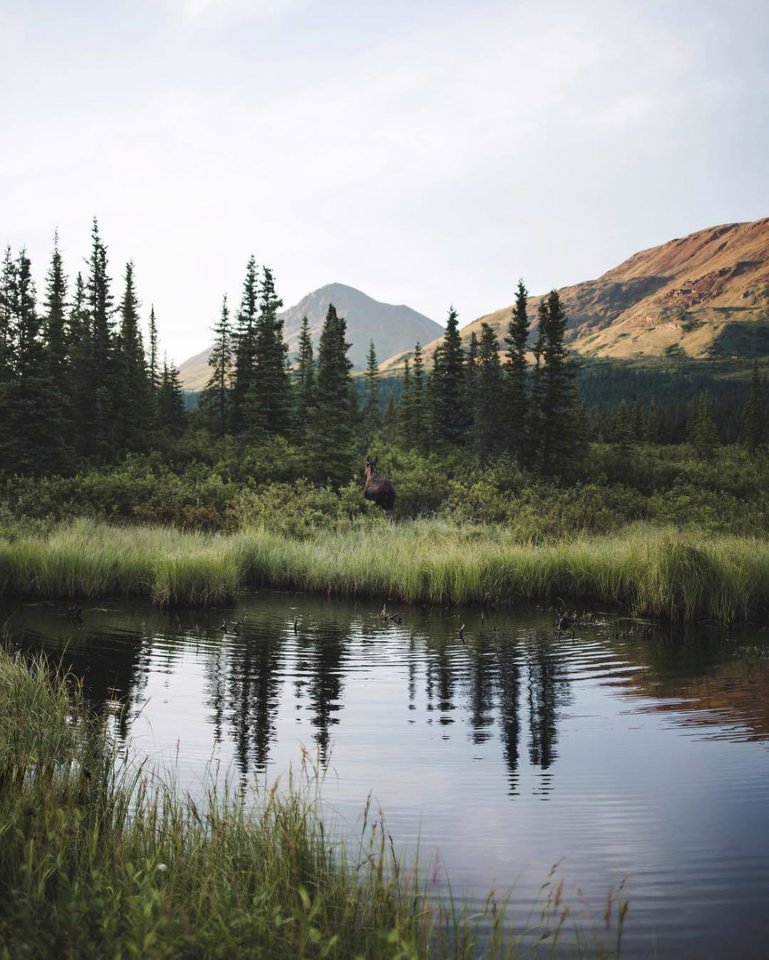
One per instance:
[(429, 152)]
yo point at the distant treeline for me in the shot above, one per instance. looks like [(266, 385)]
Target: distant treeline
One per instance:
[(81, 385), (612, 392)]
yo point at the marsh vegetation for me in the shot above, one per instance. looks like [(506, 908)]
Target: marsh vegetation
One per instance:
[(650, 572)]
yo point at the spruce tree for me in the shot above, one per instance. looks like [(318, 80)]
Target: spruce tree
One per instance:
[(244, 349), (102, 377), (556, 397), (412, 413), (651, 428), (56, 337), (6, 347), (100, 305), (29, 442), (372, 418), (304, 382), (537, 399), (81, 365), (622, 432), (171, 412), (390, 415), (153, 370), (26, 321), (622, 427), (448, 414), (132, 395), (329, 442), (470, 378), (405, 405), (703, 434), (488, 410), (754, 430), (215, 399), (7, 332), (269, 397), (516, 366), (8, 359), (55, 316), (418, 420), (7, 284)]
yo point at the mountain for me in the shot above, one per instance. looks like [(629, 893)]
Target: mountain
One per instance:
[(392, 328), (705, 296)]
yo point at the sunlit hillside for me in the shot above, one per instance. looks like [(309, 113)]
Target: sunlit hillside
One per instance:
[(705, 295)]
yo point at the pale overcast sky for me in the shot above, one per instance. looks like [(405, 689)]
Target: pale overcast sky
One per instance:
[(428, 152)]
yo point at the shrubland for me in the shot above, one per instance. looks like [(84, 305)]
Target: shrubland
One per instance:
[(228, 488), (655, 531)]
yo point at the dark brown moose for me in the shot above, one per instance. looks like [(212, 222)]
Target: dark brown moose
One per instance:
[(377, 488)]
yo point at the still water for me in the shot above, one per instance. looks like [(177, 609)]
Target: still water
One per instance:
[(616, 752)]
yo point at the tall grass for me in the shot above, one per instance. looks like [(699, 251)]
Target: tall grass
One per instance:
[(99, 861), (93, 864), (656, 572)]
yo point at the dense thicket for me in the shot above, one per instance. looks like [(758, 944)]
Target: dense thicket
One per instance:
[(82, 386)]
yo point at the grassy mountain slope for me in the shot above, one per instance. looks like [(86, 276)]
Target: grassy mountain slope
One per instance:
[(704, 296)]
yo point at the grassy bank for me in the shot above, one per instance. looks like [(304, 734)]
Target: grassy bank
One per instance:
[(94, 864), (91, 865), (653, 572)]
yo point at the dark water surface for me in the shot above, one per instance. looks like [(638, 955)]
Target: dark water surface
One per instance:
[(618, 751)]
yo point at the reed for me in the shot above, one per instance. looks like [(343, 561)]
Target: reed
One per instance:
[(100, 860), (656, 572)]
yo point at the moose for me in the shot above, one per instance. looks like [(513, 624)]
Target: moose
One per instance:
[(377, 488)]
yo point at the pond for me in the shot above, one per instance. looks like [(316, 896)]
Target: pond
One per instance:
[(616, 752)]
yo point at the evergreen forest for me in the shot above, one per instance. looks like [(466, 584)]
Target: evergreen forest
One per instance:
[(95, 421)]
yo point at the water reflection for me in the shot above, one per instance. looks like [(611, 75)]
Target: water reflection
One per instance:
[(717, 682), (502, 681), (509, 684), (252, 695), (323, 656)]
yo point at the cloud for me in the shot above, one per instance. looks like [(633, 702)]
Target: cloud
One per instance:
[(622, 112), (236, 9)]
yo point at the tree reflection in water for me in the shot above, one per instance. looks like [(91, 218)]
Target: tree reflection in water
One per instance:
[(321, 664), (247, 663), (548, 689), (482, 676), (253, 697), (509, 686), (508, 681)]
